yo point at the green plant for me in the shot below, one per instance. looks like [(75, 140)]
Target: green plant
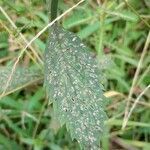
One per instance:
[(117, 28), (72, 82)]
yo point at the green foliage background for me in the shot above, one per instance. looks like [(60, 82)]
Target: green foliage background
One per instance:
[(115, 29)]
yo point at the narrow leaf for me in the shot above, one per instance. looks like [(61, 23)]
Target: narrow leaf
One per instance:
[(72, 83)]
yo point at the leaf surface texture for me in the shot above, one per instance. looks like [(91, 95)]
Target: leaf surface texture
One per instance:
[(72, 83)]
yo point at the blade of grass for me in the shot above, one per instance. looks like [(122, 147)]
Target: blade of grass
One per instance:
[(38, 121), (118, 122), (137, 100), (132, 8), (126, 116), (10, 33), (143, 75), (21, 35), (101, 32)]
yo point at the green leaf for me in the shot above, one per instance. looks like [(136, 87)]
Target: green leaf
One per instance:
[(78, 17), (21, 78), (72, 83)]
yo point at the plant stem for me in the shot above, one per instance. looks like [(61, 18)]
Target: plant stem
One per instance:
[(54, 5), (101, 33), (101, 36), (135, 79)]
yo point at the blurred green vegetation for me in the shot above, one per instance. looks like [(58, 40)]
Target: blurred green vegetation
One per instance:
[(109, 27)]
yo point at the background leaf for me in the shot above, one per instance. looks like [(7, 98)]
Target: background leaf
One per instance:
[(21, 78)]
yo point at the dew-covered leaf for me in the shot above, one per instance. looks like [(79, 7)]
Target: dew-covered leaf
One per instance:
[(21, 78), (72, 83)]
